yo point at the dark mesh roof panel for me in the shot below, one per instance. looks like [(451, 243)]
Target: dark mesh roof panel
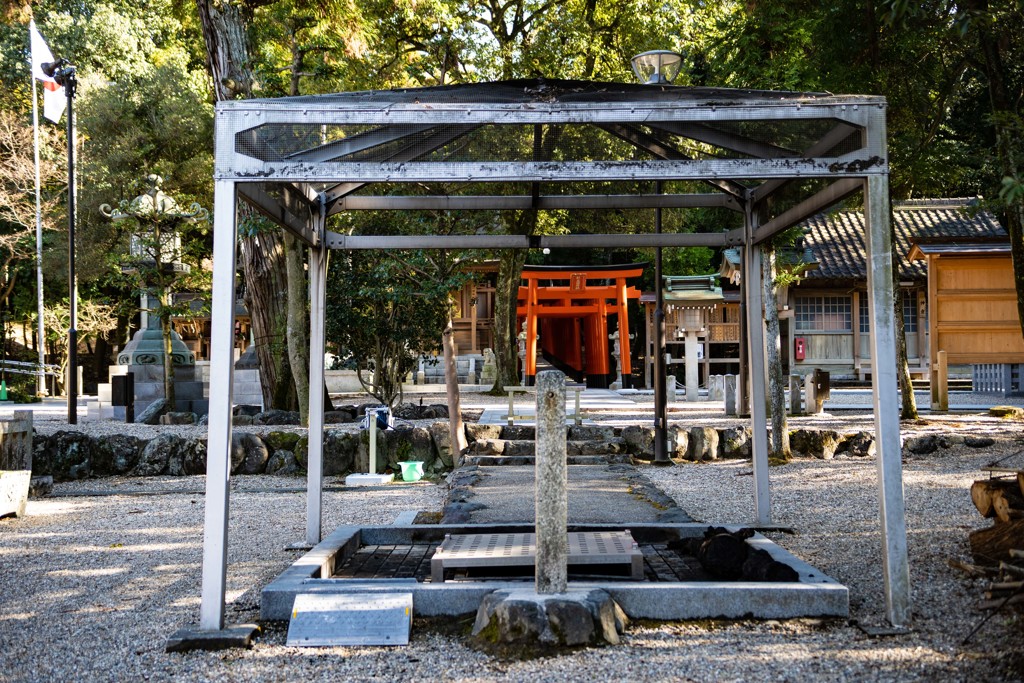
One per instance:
[(554, 91)]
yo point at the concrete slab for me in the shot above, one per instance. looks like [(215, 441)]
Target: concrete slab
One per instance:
[(193, 638), (814, 595)]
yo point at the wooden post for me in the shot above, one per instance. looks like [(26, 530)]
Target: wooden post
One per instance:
[(551, 505), (942, 383)]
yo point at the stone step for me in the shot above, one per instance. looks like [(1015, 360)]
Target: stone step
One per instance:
[(521, 447), (523, 460)]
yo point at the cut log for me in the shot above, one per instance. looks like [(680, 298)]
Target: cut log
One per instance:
[(985, 493), (996, 604), (992, 545), (1004, 510), (1020, 482), (971, 569)]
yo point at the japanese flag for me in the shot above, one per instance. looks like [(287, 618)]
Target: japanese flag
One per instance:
[(54, 100)]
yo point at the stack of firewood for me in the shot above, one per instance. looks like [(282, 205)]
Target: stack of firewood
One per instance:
[(999, 550)]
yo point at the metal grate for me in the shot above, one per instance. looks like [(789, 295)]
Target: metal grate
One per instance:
[(516, 550)]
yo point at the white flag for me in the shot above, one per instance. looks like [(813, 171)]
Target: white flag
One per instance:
[(54, 99)]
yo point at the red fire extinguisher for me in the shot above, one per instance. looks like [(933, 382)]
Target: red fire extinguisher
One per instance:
[(800, 348)]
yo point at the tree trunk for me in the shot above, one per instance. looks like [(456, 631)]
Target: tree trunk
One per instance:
[(224, 25), (266, 291), (227, 48), (451, 386), (297, 322), (506, 329), (908, 409), (776, 380)]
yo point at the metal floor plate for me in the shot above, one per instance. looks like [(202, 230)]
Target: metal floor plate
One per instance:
[(510, 550)]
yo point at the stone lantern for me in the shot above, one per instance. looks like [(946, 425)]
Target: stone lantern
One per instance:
[(160, 362)]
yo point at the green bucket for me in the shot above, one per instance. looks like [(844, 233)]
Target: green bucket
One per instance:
[(412, 470)]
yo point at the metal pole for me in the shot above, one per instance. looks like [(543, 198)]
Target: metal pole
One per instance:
[(70, 83), (315, 479), (660, 400), (41, 378)]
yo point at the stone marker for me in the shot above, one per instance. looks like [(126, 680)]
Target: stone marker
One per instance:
[(551, 501), (730, 395)]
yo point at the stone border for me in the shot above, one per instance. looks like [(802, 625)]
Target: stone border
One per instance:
[(815, 595)]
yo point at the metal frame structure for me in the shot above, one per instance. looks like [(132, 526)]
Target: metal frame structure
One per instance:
[(300, 160)]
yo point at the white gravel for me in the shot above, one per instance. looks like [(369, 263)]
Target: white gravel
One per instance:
[(91, 586)]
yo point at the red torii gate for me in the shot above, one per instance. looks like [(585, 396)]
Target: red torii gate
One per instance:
[(590, 294)]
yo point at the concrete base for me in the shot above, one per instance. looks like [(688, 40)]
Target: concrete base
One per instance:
[(368, 479), (191, 638), (814, 595), (14, 485)]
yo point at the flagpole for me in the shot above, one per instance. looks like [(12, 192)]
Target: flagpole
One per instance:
[(41, 339)]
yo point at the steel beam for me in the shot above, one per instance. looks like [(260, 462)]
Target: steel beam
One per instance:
[(662, 150), (752, 285), (218, 444), (719, 138), (353, 144), (314, 469), (354, 175), (891, 507), (334, 240), (522, 202), (821, 148), (832, 194), (276, 209)]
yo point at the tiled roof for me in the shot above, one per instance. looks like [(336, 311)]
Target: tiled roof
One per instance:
[(838, 244)]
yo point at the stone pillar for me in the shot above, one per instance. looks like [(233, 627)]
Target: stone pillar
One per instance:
[(471, 375), (795, 400), (690, 345), (730, 395), (670, 388), (551, 500), (716, 388)]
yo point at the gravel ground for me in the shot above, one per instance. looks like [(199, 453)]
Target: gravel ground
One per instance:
[(91, 585)]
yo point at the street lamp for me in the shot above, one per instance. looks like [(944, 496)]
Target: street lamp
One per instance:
[(658, 67), (65, 75)]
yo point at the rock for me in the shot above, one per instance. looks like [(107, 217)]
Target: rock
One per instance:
[(334, 417), (362, 459), (518, 433), (734, 442), (458, 512), (282, 462), (1010, 412), (64, 455), (151, 415), (951, 440), (249, 454), (680, 440), (205, 420), (639, 440), (156, 455), (519, 449), (339, 453), (116, 454), (978, 441), (523, 623), (245, 409), (488, 447), (40, 486), (243, 420), (859, 445), (476, 431), (814, 443), (409, 444), (433, 412), (442, 437), (921, 445), (703, 444), (281, 441), (301, 452), (178, 419), (193, 457), (611, 446), (589, 433), (277, 417)]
